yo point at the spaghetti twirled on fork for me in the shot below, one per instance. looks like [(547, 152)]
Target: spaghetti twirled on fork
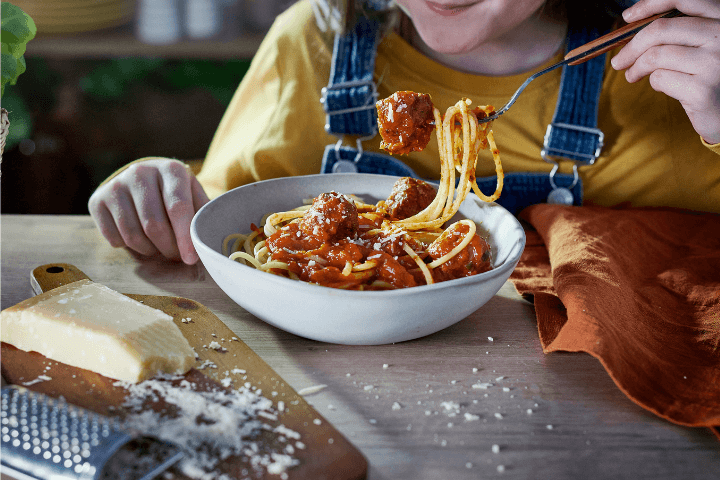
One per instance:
[(340, 241)]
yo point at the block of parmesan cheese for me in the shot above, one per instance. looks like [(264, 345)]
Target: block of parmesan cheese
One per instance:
[(88, 325)]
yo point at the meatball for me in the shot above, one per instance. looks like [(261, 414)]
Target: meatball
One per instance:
[(408, 197), (331, 217), (405, 121), (471, 260)]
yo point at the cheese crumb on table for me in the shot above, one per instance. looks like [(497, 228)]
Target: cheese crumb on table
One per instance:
[(312, 389)]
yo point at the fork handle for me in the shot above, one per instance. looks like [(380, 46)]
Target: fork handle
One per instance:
[(616, 38)]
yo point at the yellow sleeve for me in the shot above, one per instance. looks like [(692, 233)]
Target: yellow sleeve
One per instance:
[(274, 125)]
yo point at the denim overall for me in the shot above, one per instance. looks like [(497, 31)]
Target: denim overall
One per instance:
[(349, 102)]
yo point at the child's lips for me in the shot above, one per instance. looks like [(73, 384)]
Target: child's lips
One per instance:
[(448, 10)]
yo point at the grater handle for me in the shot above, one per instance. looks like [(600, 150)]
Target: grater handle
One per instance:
[(53, 275)]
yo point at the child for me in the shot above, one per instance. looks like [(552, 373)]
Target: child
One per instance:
[(658, 109)]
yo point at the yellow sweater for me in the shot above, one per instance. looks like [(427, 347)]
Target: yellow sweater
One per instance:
[(274, 125)]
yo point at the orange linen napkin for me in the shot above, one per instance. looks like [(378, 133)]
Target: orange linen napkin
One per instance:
[(637, 288)]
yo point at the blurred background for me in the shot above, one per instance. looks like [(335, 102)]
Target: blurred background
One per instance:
[(109, 81)]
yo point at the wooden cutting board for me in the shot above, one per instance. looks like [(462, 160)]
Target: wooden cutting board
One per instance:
[(327, 454)]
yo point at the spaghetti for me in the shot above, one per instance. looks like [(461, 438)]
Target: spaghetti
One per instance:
[(339, 241)]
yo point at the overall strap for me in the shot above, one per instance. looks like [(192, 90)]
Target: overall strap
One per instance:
[(573, 133), (349, 103), (350, 96)]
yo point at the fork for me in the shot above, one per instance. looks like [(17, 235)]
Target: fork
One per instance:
[(585, 52)]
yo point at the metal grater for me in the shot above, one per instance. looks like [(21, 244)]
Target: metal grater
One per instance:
[(44, 438)]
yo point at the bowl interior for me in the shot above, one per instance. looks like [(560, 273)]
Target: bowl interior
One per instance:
[(235, 210)]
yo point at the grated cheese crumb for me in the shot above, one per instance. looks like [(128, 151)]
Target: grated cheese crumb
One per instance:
[(40, 378), (483, 386), (311, 390), (216, 346)]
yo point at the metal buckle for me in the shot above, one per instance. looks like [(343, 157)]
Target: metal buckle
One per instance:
[(576, 176), (546, 151), (346, 166)]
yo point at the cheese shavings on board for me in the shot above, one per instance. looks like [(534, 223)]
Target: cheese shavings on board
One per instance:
[(88, 325), (211, 425)]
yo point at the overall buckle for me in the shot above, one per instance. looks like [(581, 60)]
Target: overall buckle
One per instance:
[(587, 159), (369, 103)]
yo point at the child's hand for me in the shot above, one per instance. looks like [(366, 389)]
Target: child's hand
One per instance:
[(681, 56), (148, 208)]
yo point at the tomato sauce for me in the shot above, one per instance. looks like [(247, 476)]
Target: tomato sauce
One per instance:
[(332, 232)]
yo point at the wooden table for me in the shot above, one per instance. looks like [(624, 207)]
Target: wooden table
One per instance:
[(556, 416)]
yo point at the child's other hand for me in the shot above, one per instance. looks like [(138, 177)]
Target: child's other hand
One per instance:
[(148, 208), (681, 56)]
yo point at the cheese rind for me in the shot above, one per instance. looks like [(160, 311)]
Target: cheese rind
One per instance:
[(88, 325)]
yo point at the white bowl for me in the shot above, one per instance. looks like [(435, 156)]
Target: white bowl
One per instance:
[(341, 316)]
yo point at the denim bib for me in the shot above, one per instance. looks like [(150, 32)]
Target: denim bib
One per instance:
[(349, 103)]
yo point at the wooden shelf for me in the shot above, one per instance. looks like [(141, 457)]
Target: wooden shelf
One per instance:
[(121, 42)]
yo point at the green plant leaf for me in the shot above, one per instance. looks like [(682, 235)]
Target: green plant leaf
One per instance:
[(17, 50), (17, 26), (16, 30), (9, 71)]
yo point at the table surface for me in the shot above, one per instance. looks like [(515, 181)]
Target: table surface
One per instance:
[(411, 407)]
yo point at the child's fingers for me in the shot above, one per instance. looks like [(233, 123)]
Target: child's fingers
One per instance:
[(647, 8), (123, 209), (689, 60), (686, 31), (148, 208), (106, 224), (699, 99), (177, 192), (150, 205)]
